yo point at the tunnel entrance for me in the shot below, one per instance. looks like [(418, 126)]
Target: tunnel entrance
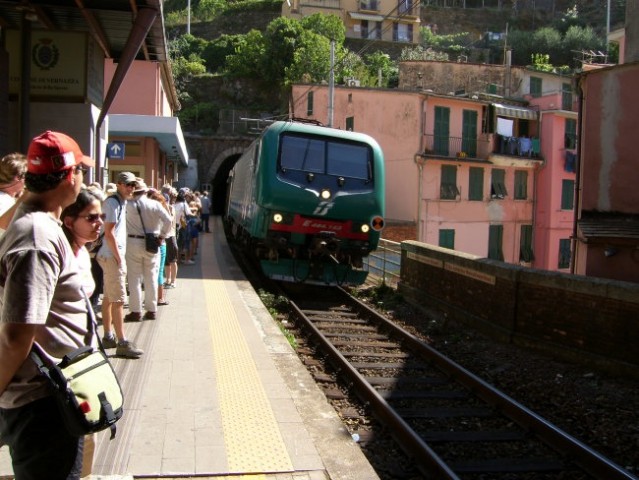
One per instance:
[(219, 185)]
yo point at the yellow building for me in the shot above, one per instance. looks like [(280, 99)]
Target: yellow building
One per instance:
[(387, 20)]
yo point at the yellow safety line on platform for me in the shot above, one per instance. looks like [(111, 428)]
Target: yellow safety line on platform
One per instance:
[(253, 440)]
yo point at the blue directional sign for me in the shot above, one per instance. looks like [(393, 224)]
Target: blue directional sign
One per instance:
[(115, 150)]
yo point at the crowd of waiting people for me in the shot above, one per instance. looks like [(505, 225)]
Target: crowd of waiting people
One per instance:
[(64, 246)]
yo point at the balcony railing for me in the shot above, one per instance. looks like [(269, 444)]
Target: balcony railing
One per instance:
[(456, 147)]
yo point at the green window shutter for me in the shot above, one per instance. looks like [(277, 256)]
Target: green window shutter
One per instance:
[(535, 86), (564, 253), (495, 239), (476, 184), (447, 238), (525, 244), (570, 135), (442, 130), (448, 188), (567, 194), (309, 103), (469, 133), (521, 185), (498, 183)]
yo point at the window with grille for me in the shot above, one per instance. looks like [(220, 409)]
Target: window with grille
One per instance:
[(564, 253), (309, 103), (448, 189), (521, 185), (498, 183)]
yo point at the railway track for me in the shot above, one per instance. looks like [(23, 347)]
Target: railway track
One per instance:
[(452, 424)]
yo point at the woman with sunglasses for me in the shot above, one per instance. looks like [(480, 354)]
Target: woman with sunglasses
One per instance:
[(82, 222)]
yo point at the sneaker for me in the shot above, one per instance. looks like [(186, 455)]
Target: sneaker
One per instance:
[(109, 342), (188, 262), (149, 316), (167, 285), (128, 349), (132, 317)]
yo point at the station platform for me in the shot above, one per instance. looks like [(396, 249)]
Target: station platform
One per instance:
[(219, 392)]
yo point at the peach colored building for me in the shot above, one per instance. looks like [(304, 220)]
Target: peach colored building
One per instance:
[(462, 168), (387, 20), (607, 231), (141, 121)]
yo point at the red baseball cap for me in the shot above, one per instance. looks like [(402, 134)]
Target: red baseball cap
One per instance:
[(52, 152)]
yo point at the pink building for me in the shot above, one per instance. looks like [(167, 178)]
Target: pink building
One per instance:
[(607, 231)]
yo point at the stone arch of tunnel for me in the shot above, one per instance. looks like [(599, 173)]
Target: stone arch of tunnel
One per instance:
[(217, 176)]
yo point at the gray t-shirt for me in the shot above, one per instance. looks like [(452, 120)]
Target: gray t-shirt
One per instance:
[(40, 285), (114, 207)]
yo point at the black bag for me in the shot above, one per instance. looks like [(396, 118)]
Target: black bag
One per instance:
[(86, 387), (152, 242)]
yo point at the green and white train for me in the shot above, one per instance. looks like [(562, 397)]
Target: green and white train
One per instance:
[(308, 201)]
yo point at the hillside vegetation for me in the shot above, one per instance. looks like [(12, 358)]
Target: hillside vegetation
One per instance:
[(244, 55)]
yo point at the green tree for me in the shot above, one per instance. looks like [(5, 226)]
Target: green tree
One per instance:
[(578, 39), (329, 26), (215, 52), (311, 59), (547, 40), (380, 61), (248, 57)]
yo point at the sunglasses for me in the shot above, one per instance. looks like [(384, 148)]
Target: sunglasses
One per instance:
[(80, 169), (94, 217)]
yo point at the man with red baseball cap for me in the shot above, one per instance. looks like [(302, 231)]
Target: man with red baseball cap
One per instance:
[(41, 306)]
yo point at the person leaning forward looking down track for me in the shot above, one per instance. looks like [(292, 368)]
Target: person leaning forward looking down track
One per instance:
[(111, 257), (42, 306)]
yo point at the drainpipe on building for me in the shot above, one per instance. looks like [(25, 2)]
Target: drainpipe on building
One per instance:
[(331, 85), (419, 160), (577, 199)]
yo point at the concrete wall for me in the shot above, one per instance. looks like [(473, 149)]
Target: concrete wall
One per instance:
[(586, 320)]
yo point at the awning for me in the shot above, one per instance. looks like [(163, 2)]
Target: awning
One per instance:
[(366, 16), (166, 130), (515, 112)]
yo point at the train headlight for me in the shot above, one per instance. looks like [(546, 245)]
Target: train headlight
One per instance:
[(365, 228), (277, 218), (325, 194)]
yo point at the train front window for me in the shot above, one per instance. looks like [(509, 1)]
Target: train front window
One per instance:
[(305, 154), (328, 157), (348, 160)]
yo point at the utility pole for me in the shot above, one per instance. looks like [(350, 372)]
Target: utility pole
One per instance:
[(188, 18), (331, 85)]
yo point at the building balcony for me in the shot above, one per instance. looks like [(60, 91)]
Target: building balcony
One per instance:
[(481, 148), (441, 146)]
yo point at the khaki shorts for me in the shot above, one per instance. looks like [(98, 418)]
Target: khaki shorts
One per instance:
[(114, 280)]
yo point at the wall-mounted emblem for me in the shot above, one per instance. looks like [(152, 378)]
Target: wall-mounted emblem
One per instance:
[(45, 54)]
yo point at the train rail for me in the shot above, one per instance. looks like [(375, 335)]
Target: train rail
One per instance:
[(450, 422)]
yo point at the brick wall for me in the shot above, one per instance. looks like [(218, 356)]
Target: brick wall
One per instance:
[(587, 320)]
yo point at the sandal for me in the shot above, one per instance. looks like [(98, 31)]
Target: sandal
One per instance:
[(163, 302)]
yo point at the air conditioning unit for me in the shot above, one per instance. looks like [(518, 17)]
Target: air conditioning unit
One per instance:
[(351, 82)]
